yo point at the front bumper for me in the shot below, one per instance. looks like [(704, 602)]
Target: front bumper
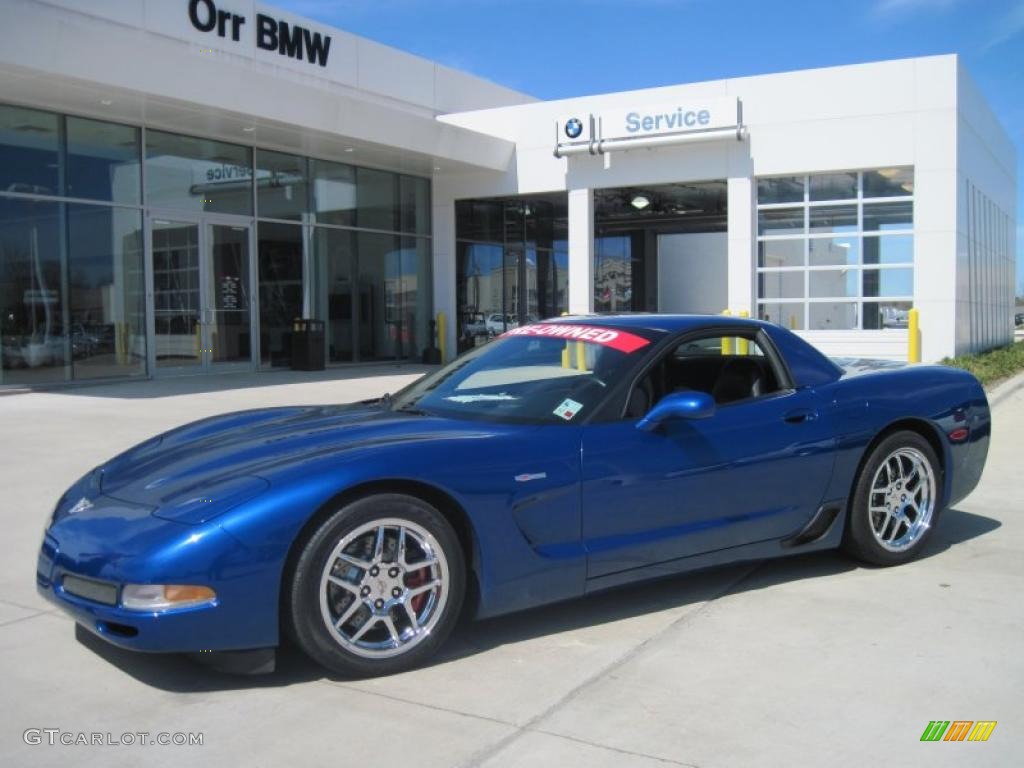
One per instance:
[(146, 550)]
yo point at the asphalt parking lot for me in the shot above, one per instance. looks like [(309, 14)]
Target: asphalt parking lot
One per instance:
[(806, 661)]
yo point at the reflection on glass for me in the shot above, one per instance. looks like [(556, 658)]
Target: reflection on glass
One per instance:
[(376, 199), (780, 285), (191, 174), (833, 218), (787, 315), (33, 343), (280, 289), (227, 295), (882, 216), (889, 182), (613, 274), (176, 307), (107, 298), (29, 151), (393, 310), (334, 193), (889, 314), (834, 250), (334, 256), (833, 283), (480, 220), (832, 316), (783, 189), (782, 221), (414, 205), (103, 161), (833, 186), (281, 185), (552, 270), (781, 253), (888, 282), (479, 291), (513, 259), (889, 249)]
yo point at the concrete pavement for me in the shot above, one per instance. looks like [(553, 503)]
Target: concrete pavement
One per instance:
[(806, 661)]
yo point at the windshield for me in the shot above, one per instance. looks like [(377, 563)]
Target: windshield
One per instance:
[(540, 373)]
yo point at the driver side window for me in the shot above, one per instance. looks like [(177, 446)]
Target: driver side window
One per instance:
[(729, 368)]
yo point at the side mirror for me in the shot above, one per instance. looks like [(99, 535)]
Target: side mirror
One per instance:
[(678, 405)]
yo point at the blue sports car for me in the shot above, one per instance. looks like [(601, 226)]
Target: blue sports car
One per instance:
[(565, 457)]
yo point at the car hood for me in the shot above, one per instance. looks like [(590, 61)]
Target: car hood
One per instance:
[(204, 468)]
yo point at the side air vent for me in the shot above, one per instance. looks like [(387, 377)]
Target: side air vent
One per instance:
[(816, 528)]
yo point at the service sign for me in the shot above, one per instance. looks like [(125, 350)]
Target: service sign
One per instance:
[(668, 117)]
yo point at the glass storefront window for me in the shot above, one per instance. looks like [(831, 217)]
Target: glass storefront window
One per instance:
[(281, 185), (833, 316), (103, 161), (613, 274), (414, 205), (781, 285), (29, 151), (480, 220), (387, 289), (334, 257), (883, 216), (833, 186), (833, 218), (889, 182), (889, 249), (34, 343), (334, 193), (200, 175), (834, 283), (781, 253), (824, 251), (280, 289), (855, 238), (376, 199), (480, 291), (106, 281), (787, 315), (780, 221), (780, 189)]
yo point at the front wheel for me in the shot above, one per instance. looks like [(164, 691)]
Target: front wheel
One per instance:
[(378, 587), (896, 501)]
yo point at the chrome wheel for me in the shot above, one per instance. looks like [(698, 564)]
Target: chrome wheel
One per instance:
[(384, 588), (902, 499)]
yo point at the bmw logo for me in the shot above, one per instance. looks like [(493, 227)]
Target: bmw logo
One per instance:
[(573, 128)]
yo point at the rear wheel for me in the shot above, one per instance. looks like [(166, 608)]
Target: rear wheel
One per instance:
[(378, 587), (896, 501)]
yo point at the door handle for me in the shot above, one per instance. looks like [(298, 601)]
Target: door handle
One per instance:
[(800, 415)]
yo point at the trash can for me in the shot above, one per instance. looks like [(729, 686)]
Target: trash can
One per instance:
[(307, 345)]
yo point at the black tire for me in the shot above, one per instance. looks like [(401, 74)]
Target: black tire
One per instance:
[(859, 539), (302, 607)]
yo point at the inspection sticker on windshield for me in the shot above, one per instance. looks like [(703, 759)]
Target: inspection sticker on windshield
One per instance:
[(606, 337), (568, 408)]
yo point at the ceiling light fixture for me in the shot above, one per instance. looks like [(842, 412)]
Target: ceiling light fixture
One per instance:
[(349, 149), (249, 128), (106, 102), (639, 202)]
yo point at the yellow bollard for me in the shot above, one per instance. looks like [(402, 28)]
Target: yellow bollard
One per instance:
[(442, 336), (914, 337), (742, 345), (581, 356), (565, 355), (726, 342)]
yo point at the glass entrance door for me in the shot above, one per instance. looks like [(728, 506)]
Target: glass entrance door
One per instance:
[(201, 292)]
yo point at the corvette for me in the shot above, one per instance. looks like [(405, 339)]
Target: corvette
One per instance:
[(563, 458)]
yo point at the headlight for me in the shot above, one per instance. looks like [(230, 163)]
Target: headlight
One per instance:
[(162, 597)]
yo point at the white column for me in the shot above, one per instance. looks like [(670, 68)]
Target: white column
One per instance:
[(742, 243), (581, 251), (443, 223)]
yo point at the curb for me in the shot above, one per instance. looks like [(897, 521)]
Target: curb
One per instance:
[(1004, 389)]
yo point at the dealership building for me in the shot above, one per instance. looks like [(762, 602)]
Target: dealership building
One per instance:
[(180, 180)]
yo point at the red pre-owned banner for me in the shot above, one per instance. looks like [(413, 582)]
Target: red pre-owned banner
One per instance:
[(607, 337)]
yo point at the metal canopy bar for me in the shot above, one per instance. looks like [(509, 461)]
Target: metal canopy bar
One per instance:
[(603, 146)]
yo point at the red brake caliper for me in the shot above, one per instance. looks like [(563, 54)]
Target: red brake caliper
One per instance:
[(418, 579)]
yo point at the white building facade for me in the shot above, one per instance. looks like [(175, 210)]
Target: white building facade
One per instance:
[(180, 180)]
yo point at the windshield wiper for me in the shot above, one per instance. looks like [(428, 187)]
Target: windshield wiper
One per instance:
[(411, 409)]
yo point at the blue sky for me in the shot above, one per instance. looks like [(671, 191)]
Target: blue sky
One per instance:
[(559, 48)]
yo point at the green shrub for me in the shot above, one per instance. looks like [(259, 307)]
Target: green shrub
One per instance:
[(993, 365)]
